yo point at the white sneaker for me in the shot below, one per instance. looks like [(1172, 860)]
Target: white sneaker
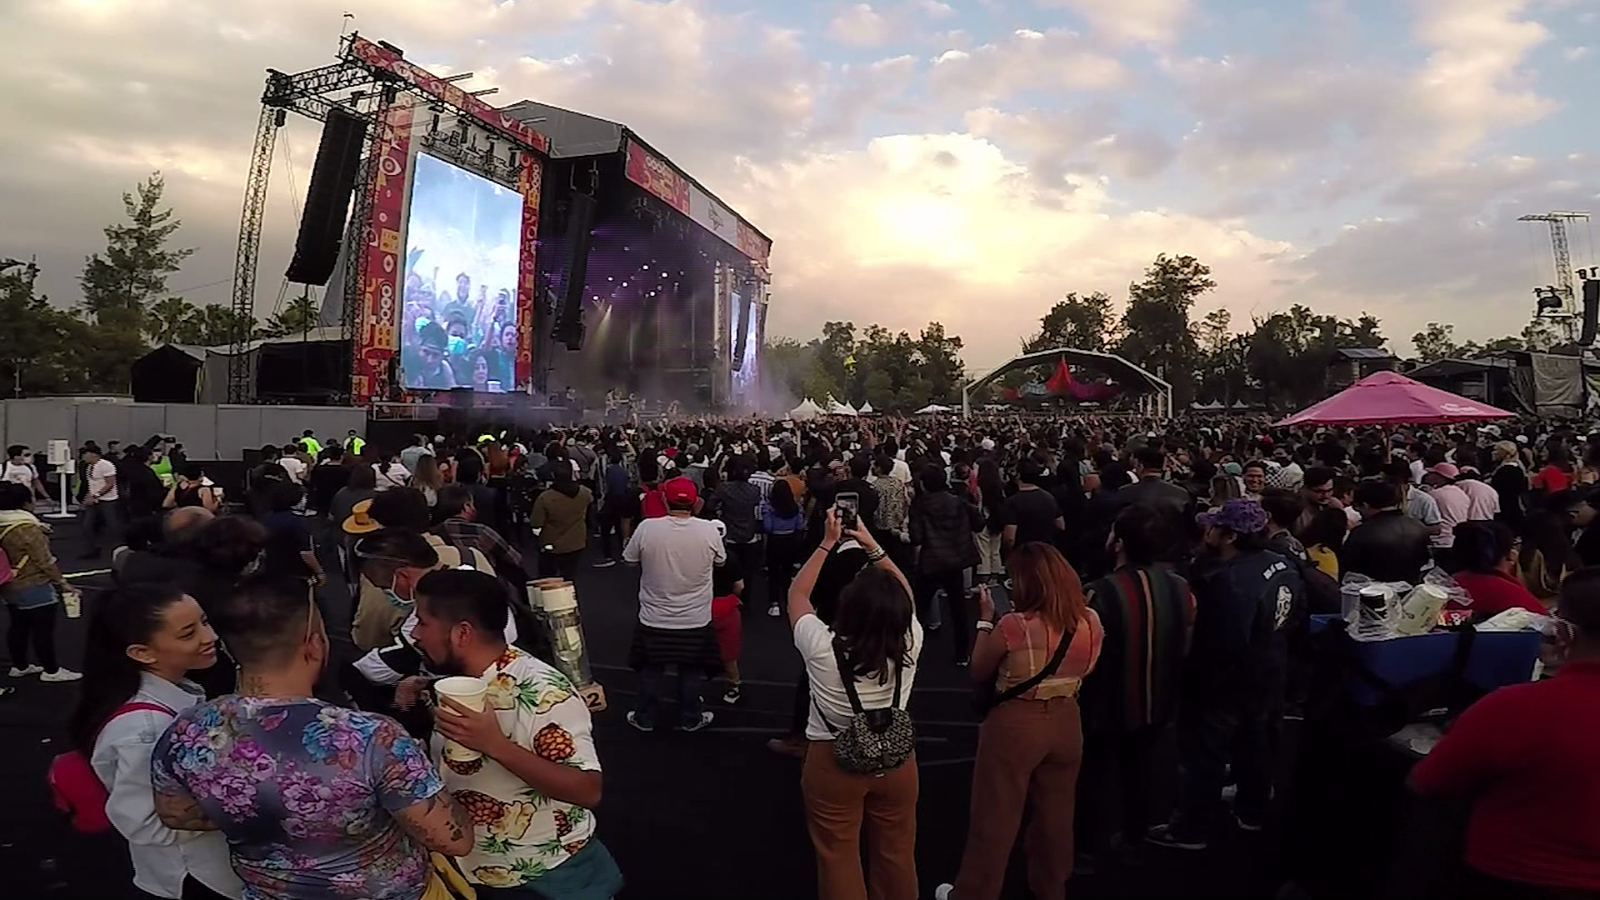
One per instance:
[(942, 892), (61, 675), (23, 673)]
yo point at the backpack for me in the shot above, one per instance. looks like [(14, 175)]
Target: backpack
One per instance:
[(9, 570), (77, 790), (874, 741)]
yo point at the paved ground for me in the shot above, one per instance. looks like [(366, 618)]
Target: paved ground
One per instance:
[(709, 816)]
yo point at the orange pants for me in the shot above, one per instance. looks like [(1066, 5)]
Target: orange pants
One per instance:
[(1028, 753), (837, 805)]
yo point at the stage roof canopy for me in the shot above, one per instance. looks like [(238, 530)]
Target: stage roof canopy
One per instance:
[(1125, 373)]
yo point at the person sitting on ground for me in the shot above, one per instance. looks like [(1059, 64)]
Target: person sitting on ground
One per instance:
[(1524, 756), (875, 638), (1488, 552), (141, 647), (535, 739), (316, 801)]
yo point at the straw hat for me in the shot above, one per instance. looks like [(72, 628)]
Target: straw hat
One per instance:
[(360, 520)]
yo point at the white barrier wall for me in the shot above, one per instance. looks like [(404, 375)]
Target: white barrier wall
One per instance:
[(207, 432)]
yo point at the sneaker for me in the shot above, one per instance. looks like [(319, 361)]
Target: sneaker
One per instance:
[(705, 719), (633, 719), (963, 663), (1164, 836), (773, 611), (1247, 825), (732, 695), (61, 675), (605, 564), (788, 746), (942, 892), (23, 673)]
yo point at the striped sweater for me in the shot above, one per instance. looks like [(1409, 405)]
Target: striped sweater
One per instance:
[(1148, 617)]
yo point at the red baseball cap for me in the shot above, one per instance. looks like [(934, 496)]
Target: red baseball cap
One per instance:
[(679, 492)]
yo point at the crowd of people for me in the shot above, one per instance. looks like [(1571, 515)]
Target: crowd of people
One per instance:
[(1105, 581)]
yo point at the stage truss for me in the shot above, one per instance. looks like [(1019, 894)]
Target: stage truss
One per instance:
[(366, 82)]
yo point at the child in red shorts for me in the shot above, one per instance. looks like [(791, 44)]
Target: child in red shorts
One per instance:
[(727, 622)]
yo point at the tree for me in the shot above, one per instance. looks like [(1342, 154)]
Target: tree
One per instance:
[(172, 320), (1436, 342), (1083, 323), (1156, 333), (1541, 336), (298, 316), (215, 325), (121, 284), (46, 349), (941, 366)]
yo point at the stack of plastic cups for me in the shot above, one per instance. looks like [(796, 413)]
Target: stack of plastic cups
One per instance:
[(556, 601)]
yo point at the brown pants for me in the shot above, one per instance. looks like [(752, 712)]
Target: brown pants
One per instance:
[(836, 804), (1028, 751)]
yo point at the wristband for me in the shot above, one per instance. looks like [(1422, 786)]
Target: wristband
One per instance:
[(825, 549), (875, 554), (984, 625)]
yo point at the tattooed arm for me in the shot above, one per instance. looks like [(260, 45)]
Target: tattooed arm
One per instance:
[(182, 812), (439, 823)]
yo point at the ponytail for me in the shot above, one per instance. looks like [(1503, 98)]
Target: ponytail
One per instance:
[(110, 676)]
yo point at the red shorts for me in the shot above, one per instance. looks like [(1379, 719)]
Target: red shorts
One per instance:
[(729, 626)]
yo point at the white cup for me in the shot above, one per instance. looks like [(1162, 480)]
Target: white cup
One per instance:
[(469, 692)]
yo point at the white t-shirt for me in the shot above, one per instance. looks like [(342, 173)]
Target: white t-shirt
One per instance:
[(295, 468), (814, 640), (395, 476), (100, 474), (901, 470), (22, 473), (676, 556)]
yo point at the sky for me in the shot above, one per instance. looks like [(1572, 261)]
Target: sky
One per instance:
[(968, 161)]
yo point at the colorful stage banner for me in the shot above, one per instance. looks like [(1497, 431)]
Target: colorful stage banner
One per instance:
[(390, 61), (657, 176), (530, 181), (375, 338)]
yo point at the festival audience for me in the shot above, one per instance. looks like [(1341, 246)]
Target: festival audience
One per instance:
[(942, 528)]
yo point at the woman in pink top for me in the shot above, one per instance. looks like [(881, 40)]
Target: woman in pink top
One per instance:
[(1030, 746)]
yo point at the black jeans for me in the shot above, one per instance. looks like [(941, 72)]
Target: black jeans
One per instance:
[(34, 627), (1114, 787), (957, 615), (559, 565), (1210, 734), (783, 552), (612, 515), (652, 681), (746, 560)]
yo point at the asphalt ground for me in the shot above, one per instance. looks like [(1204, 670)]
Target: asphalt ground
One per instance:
[(706, 816)]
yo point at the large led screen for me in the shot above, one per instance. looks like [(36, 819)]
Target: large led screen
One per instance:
[(459, 325)]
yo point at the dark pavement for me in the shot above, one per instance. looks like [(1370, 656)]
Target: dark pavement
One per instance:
[(708, 816)]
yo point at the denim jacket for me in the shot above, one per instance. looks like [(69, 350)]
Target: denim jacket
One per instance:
[(161, 856)]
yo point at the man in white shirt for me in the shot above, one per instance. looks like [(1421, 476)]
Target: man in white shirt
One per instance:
[(102, 504), (677, 555), (292, 464)]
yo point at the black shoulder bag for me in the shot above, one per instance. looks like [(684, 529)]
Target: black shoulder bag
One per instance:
[(983, 693)]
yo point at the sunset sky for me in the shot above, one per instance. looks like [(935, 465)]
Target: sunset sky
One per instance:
[(965, 161)]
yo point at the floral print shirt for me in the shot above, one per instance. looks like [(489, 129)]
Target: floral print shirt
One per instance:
[(521, 834), (304, 792)]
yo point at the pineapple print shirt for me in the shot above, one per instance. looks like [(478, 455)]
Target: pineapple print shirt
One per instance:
[(521, 833)]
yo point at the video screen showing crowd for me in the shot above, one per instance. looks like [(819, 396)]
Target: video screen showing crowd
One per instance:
[(459, 321)]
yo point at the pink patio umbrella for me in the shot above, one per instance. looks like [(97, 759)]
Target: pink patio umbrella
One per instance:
[(1389, 398)]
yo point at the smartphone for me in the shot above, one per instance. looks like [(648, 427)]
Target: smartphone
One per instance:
[(848, 503)]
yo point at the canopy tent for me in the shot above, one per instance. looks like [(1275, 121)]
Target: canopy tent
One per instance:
[(1389, 398), (866, 409), (931, 409), (835, 408), (806, 410)]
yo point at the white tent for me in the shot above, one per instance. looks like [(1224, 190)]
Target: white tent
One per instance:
[(866, 409), (932, 408), (835, 408), (806, 410)]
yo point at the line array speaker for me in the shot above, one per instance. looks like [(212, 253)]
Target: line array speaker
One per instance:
[(328, 199)]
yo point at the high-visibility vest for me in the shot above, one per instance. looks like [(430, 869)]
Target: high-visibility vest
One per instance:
[(312, 446), (356, 444)]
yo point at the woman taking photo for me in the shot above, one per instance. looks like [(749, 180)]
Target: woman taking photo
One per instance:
[(1030, 745), (875, 638), (140, 647)]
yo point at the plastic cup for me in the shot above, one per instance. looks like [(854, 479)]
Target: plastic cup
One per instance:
[(72, 603), (469, 692)]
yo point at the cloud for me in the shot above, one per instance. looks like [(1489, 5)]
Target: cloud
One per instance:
[(1574, 54), (1089, 139), (1025, 60), (918, 227), (1130, 21), (860, 25)]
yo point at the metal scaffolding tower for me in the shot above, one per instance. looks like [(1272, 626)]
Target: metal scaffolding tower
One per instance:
[(1559, 301)]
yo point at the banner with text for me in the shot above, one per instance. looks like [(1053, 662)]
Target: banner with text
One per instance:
[(375, 337)]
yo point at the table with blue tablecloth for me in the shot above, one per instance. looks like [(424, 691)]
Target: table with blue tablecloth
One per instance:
[(1497, 658)]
